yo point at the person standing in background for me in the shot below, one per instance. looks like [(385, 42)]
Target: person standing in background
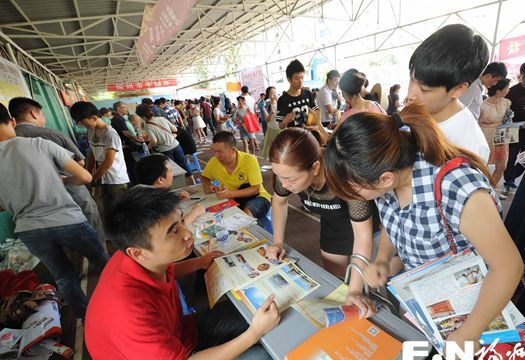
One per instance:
[(517, 96), (328, 98), (393, 100)]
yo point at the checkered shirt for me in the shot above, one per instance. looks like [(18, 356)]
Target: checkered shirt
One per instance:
[(417, 231)]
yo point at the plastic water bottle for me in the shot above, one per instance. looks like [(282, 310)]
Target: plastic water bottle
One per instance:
[(145, 149), (221, 233)]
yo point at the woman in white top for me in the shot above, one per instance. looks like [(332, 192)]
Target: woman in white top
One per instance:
[(218, 116), (492, 112), (198, 123), (270, 116), (351, 85)]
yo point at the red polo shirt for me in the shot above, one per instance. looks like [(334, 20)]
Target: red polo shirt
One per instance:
[(132, 316)]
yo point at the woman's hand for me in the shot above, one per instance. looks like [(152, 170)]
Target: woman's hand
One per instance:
[(275, 252), (376, 274), (459, 337), (365, 305)]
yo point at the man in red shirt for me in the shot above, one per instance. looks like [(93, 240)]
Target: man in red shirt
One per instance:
[(135, 311), (207, 115)]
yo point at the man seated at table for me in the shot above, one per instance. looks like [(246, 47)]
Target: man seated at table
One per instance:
[(238, 175), (135, 311), (157, 171)]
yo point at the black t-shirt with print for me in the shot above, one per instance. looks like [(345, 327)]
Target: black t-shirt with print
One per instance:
[(298, 104)]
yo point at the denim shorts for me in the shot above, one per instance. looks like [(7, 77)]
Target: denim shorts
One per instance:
[(245, 135)]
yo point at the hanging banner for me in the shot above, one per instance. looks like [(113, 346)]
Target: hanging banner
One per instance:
[(141, 85), (233, 86), (511, 48), (12, 83), (160, 25), (254, 79)]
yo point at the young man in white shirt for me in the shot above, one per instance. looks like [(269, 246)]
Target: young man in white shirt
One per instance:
[(106, 158), (441, 70), (473, 97), (327, 99)]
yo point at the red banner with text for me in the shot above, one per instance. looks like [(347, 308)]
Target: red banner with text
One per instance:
[(141, 85)]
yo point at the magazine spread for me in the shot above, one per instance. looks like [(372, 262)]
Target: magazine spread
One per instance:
[(234, 271), (289, 284), (440, 296)]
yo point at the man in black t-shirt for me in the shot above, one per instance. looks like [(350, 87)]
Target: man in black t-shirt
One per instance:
[(293, 106)]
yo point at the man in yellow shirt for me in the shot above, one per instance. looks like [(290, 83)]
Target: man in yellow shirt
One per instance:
[(238, 175)]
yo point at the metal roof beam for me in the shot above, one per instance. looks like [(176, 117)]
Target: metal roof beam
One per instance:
[(83, 18)]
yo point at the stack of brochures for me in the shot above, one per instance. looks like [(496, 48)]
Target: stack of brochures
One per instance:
[(441, 294), (239, 237)]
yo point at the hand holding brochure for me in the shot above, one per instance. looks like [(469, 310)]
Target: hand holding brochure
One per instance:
[(440, 295)]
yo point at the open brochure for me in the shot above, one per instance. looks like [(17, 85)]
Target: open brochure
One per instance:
[(440, 296), (237, 241), (313, 310), (289, 284), (235, 271), (350, 339)]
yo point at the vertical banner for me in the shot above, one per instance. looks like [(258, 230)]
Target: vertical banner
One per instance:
[(160, 24), (12, 82), (254, 79)]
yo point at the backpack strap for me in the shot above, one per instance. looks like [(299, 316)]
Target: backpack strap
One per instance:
[(438, 194)]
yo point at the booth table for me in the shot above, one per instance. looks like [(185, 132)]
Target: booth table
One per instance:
[(294, 329)]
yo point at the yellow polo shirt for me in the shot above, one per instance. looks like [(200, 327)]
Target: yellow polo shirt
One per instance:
[(247, 171)]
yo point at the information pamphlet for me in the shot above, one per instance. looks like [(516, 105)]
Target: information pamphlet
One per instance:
[(508, 133), (237, 241), (239, 238), (237, 270), (350, 339), (289, 284), (440, 296), (313, 310)]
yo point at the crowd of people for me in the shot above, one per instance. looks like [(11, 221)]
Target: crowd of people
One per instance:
[(370, 174)]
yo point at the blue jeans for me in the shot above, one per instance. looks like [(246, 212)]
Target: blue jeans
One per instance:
[(177, 154), (47, 245)]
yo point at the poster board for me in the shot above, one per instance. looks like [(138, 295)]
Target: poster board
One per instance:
[(12, 82)]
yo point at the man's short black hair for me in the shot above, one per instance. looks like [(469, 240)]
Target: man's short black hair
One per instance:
[(130, 219), (117, 104), (496, 69), (82, 110), (240, 97), (19, 106), (144, 111), (147, 101), (150, 168), (158, 102), (225, 137), (522, 68), (103, 111), (332, 74), (449, 57), (244, 89), (294, 67), (163, 100), (4, 115)]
